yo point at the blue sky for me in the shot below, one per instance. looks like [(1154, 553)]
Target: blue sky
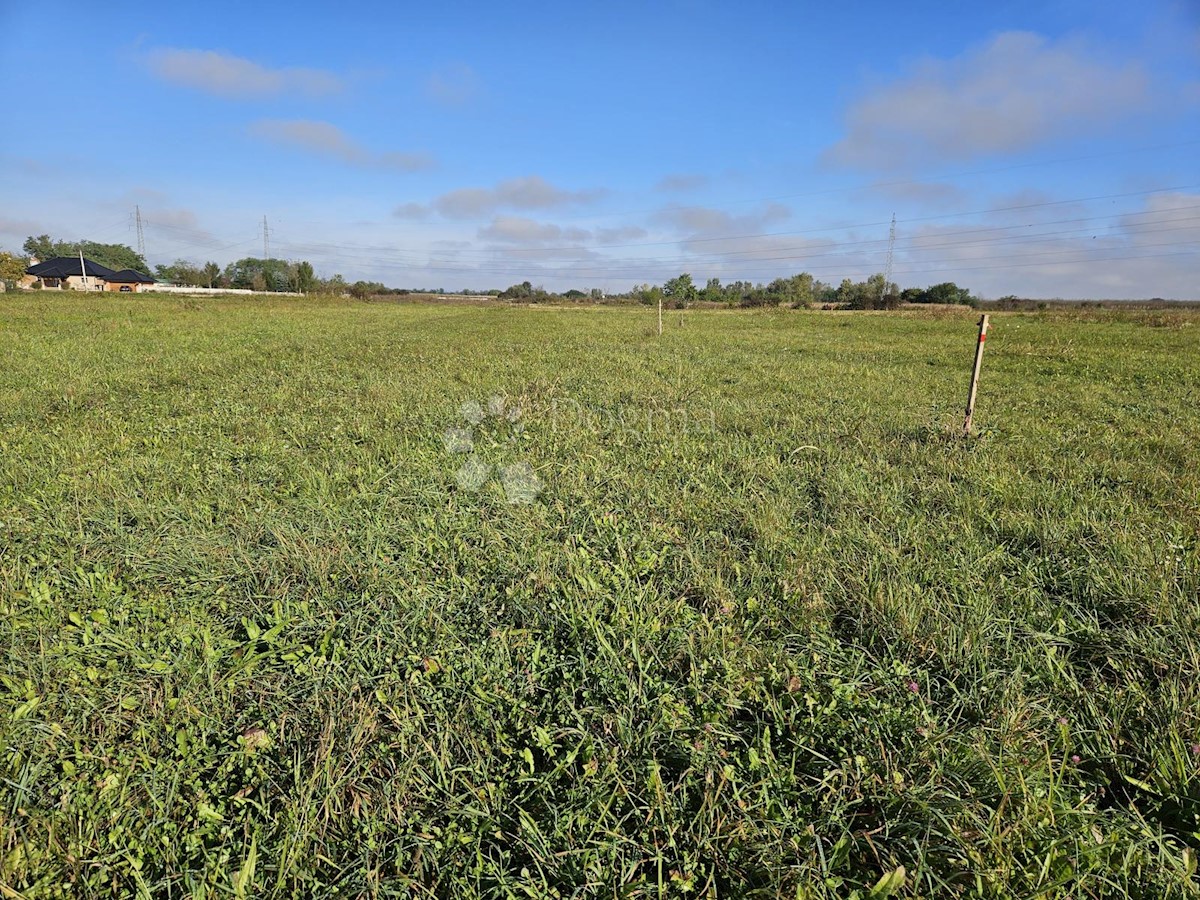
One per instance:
[(1038, 148)]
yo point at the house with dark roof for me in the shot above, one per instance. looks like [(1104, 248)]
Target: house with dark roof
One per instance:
[(127, 280), (71, 273)]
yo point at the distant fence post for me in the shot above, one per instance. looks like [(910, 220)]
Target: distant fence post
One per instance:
[(983, 327), (660, 315)]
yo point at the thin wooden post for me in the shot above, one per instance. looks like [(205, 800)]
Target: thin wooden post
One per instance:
[(660, 315), (983, 327)]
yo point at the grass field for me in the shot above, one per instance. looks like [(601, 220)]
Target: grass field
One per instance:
[(759, 623)]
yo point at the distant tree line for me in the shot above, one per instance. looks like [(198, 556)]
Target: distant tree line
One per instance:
[(796, 291), (946, 292), (527, 293), (249, 273), (799, 290)]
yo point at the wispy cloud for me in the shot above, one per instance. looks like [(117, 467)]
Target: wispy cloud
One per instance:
[(620, 233), (169, 226), (455, 85), (921, 194), (522, 231), (325, 139), (34, 168), (681, 182), (519, 230), (1174, 217), (417, 212), (1097, 256), (234, 77), (529, 193), (1010, 94), (704, 221), (16, 230)]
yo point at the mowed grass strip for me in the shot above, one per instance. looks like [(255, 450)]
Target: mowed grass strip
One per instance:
[(769, 627)]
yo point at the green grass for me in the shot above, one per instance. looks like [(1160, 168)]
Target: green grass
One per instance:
[(771, 627)]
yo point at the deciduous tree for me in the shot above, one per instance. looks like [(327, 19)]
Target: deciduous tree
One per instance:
[(304, 277), (181, 272), (680, 290), (212, 273), (12, 267), (260, 274)]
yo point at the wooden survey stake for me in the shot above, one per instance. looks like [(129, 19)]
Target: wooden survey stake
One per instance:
[(983, 327)]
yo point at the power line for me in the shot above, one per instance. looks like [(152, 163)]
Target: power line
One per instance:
[(210, 242), (1062, 262), (205, 240), (844, 227), (354, 251), (637, 268), (836, 254), (985, 237)]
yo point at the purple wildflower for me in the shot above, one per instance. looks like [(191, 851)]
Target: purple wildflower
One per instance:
[(914, 687)]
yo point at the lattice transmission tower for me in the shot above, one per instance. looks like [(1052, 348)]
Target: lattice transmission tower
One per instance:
[(887, 269)]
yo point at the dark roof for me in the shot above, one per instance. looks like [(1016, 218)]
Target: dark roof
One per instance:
[(128, 276), (62, 266)]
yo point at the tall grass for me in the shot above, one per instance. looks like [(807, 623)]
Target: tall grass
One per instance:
[(770, 627)]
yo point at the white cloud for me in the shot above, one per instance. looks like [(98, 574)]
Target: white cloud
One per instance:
[(1140, 254), (171, 230), (703, 221), (175, 218), (1168, 217), (33, 168), (232, 76), (680, 182), (519, 230), (328, 140), (620, 233), (1010, 94), (454, 85), (16, 230), (526, 244), (529, 193), (320, 137), (1141, 250), (465, 203), (731, 246), (416, 211), (404, 162)]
